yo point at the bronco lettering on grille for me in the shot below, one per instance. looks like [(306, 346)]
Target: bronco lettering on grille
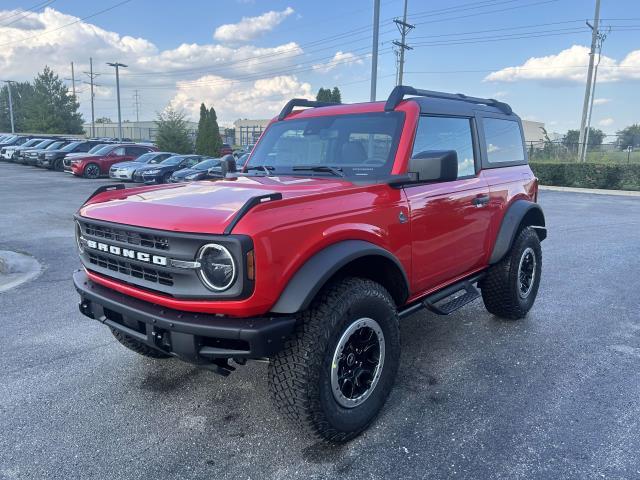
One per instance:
[(127, 253)]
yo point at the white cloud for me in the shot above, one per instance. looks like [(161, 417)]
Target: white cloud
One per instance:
[(190, 63), (601, 101), (251, 27), (260, 99), (606, 122), (500, 95), (340, 58), (569, 65)]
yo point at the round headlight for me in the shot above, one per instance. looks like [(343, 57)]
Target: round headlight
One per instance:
[(79, 237), (217, 267)]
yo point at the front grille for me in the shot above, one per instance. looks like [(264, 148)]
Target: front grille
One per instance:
[(131, 269), (126, 236)]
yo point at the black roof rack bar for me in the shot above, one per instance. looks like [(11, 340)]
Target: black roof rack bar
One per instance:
[(301, 102), (398, 93)]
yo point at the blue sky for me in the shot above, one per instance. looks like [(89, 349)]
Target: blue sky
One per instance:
[(459, 45)]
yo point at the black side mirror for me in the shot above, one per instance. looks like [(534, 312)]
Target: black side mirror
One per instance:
[(227, 165), (435, 166)]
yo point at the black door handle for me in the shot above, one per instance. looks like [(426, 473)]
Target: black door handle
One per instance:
[(481, 200)]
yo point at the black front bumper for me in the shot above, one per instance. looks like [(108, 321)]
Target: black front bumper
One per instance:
[(194, 337)]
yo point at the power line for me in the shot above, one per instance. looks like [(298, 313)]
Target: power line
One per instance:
[(28, 12), (66, 25), (92, 76)]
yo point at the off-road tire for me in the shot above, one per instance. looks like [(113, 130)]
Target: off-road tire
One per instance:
[(501, 284), (137, 346), (89, 171), (300, 375)]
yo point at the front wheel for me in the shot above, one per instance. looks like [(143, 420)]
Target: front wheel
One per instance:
[(335, 373), (511, 285), (92, 171)]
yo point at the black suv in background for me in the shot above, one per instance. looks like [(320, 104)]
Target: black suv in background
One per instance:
[(30, 155), (161, 173), (52, 159)]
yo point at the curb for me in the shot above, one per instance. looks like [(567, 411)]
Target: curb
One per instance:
[(596, 191), (16, 269)]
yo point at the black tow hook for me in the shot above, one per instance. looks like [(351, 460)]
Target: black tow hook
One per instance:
[(85, 308)]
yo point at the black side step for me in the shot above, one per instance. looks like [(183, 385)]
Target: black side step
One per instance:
[(458, 301)]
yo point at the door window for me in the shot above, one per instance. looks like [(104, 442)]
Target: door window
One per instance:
[(447, 133), (118, 151)]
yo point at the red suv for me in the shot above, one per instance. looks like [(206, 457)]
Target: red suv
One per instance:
[(344, 220), (98, 164)]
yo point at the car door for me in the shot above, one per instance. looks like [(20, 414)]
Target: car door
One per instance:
[(116, 155), (449, 220)]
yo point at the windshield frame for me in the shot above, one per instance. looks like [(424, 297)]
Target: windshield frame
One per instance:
[(350, 172)]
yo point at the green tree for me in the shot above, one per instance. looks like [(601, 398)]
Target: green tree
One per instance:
[(336, 96), (201, 136), (328, 95), (208, 140), (21, 96), (630, 136), (172, 135), (51, 109), (572, 138), (214, 132), (324, 95)]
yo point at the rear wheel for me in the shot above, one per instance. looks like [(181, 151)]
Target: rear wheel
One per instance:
[(91, 171), (137, 346), (335, 373), (510, 287)]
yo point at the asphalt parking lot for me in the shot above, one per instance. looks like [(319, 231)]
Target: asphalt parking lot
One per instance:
[(554, 396)]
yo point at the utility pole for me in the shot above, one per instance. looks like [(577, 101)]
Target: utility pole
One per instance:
[(8, 82), (117, 66), (587, 91), (374, 49), (92, 76), (136, 104), (601, 38), (404, 29)]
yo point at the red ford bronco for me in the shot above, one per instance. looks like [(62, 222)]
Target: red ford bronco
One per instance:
[(345, 219)]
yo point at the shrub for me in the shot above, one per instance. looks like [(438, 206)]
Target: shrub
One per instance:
[(588, 175)]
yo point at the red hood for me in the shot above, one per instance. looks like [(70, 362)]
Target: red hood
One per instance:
[(198, 207)]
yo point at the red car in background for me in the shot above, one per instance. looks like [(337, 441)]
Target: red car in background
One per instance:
[(99, 163)]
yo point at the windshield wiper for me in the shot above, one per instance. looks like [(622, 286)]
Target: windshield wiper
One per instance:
[(319, 168), (267, 169)]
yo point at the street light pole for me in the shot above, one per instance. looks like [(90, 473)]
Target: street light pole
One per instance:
[(374, 48), (587, 91), (8, 82), (117, 66)]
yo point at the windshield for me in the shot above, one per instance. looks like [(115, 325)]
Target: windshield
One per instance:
[(32, 142), (207, 164), (175, 160), (361, 145), (104, 150), (146, 157), (71, 146), (55, 145), (98, 147)]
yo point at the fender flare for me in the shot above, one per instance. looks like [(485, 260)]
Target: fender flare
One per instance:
[(318, 269), (511, 221)]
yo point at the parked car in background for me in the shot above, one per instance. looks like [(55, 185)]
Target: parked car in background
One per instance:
[(243, 151), (125, 170), (53, 158), (30, 155), (161, 173), (15, 140), (99, 163), (226, 150), (206, 169), (21, 154), (11, 152)]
